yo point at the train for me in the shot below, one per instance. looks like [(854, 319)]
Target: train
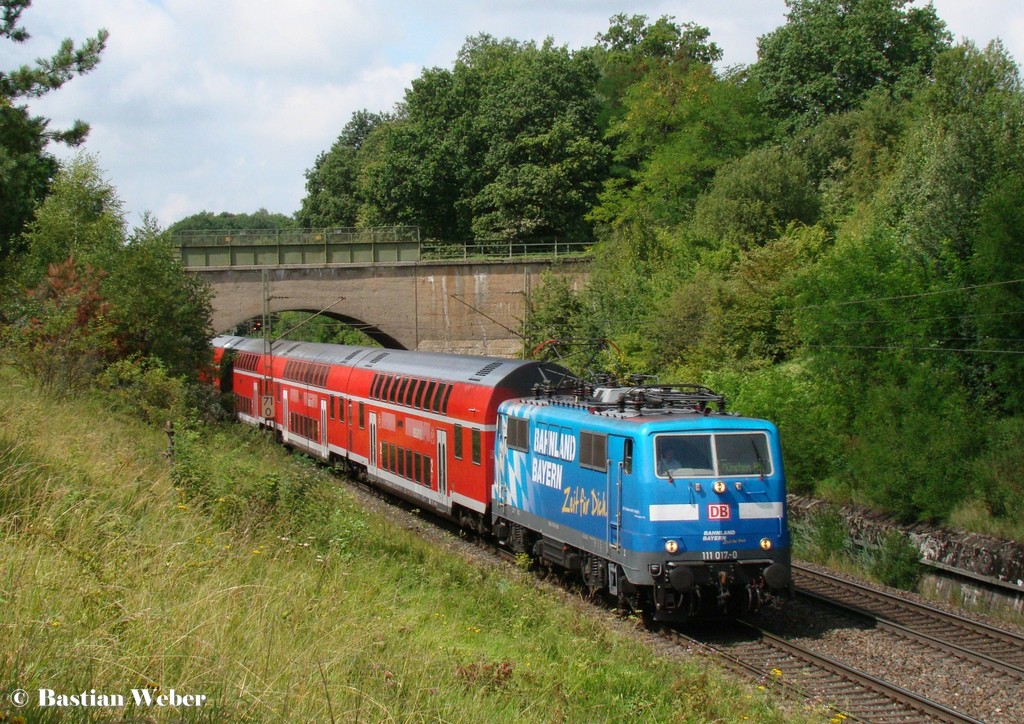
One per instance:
[(653, 495)]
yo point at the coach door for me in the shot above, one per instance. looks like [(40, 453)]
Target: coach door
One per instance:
[(620, 482), (371, 457), (442, 464), (284, 417), (323, 430)]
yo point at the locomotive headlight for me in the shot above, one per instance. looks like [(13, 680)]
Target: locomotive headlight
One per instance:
[(719, 486), (766, 544), (671, 546)]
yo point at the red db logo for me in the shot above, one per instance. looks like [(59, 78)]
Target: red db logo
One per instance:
[(718, 511)]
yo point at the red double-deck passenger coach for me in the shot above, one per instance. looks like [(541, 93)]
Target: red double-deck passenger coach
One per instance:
[(417, 423)]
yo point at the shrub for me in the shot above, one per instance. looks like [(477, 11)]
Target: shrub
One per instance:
[(821, 537), (896, 562)]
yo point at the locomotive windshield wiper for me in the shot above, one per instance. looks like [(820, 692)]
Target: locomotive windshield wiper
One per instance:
[(760, 462)]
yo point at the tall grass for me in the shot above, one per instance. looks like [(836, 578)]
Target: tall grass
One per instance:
[(245, 575)]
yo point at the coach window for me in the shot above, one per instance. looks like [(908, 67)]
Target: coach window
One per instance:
[(384, 455), (418, 467), (400, 396), (378, 380), (476, 447), (426, 471), (457, 434), (418, 400), (444, 403), (413, 384), (362, 416)]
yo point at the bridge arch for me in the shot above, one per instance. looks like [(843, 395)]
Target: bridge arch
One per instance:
[(460, 306), (372, 331)]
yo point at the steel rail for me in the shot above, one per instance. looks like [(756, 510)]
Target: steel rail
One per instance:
[(995, 645)]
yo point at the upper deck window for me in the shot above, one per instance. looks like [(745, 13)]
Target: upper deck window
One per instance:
[(722, 454)]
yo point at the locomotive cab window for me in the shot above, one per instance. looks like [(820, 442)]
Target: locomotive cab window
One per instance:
[(745, 454), (707, 455)]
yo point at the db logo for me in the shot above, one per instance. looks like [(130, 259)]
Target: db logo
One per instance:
[(718, 511)]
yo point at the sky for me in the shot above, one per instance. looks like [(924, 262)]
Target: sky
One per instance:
[(222, 105)]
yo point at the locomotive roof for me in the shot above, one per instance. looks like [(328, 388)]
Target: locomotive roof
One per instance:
[(484, 371), (647, 420)]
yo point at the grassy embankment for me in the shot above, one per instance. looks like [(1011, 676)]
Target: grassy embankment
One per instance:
[(254, 579)]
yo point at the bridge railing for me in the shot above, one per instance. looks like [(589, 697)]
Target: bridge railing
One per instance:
[(341, 246)]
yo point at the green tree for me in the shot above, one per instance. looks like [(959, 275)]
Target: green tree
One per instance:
[(332, 189), (544, 160), (680, 124), (149, 307), (25, 166), (632, 48), (226, 221), (156, 308), (505, 144), (997, 267), (83, 217), (831, 53), (754, 198)]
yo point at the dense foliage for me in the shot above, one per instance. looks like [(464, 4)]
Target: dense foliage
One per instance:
[(832, 235), (225, 221), (86, 293)]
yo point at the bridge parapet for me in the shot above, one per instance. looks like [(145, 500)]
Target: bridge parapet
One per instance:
[(344, 246)]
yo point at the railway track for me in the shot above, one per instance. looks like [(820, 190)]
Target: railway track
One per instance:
[(781, 663), (805, 674), (992, 647)]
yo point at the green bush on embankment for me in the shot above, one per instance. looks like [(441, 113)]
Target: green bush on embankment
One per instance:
[(253, 578)]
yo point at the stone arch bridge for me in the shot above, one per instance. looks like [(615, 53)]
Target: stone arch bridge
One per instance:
[(392, 289)]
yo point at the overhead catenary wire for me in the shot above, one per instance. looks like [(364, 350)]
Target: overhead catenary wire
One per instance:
[(892, 348)]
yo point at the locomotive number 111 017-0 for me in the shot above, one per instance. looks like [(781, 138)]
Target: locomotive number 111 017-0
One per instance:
[(719, 555)]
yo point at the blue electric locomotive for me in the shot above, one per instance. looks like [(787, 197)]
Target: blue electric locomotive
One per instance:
[(653, 494)]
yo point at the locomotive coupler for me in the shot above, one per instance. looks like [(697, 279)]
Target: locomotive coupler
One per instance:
[(723, 589)]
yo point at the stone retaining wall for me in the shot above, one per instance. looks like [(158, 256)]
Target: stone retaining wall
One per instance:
[(992, 559)]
